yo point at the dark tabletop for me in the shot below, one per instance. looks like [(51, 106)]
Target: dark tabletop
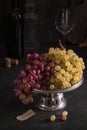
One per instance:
[(10, 106)]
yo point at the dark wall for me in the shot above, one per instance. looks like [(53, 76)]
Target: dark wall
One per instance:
[(39, 19), (79, 33), (5, 9)]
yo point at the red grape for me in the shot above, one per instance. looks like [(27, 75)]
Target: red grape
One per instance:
[(36, 74)]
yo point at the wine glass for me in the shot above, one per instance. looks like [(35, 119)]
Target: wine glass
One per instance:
[(64, 22)]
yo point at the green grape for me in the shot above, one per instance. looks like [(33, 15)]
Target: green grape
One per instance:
[(70, 51), (52, 79), (68, 65), (62, 71), (66, 57), (73, 70), (68, 69), (58, 75), (52, 86), (57, 67), (22, 96), (51, 50), (63, 52), (65, 84), (68, 76), (62, 79)]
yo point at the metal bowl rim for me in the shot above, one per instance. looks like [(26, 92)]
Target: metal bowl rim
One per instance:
[(59, 90)]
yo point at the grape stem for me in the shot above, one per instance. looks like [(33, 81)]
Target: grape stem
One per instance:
[(61, 45)]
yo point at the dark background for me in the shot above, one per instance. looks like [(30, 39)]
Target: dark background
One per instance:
[(11, 106), (41, 27), (39, 23)]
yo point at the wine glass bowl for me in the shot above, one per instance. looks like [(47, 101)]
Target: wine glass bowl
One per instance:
[(64, 22)]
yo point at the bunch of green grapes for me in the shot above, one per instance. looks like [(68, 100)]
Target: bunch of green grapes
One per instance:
[(68, 65)]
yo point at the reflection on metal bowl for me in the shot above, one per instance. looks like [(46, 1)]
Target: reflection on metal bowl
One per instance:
[(52, 100)]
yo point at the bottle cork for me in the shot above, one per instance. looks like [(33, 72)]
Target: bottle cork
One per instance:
[(8, 62), (15, 61)]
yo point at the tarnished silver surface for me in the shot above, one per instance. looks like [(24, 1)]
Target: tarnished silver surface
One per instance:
[(52, 100)]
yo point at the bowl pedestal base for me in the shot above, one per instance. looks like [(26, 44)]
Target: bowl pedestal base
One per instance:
[(50, 101)]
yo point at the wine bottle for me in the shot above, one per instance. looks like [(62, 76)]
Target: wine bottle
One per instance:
[(15, 36)]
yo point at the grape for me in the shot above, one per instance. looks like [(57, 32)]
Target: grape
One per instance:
[(28, 99), (27, 67), (36, 74), (35, 77), (37, 86), (52, 86), (62, 71), (58, 75), (64, 113), (41, 66), (68, 65), (53, 71), (47, 68), (51, 64), (56, 69), (29, 77), (63, 118), (52, 118), (32, 72), (22, 96), (18, 92), (73, 70), (22, 73), (27, 89), (34, 56), (32, 83), (66, 58)]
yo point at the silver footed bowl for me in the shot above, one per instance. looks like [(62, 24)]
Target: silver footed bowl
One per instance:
[(52, 100)]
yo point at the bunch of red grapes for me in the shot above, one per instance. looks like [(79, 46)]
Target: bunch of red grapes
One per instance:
[(35, 74)]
